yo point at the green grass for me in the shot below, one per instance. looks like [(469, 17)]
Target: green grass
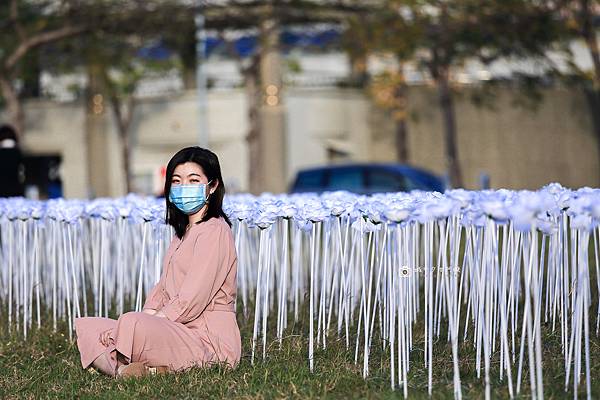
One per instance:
[(46, 365)]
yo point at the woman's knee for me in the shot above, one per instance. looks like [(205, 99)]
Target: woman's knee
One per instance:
[(132, 321)]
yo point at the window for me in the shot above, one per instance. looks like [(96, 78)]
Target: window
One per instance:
[(310, 180), (351, 179), (414, 183), (384, 181)]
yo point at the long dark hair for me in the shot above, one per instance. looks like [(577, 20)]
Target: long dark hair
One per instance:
[(210, 165)]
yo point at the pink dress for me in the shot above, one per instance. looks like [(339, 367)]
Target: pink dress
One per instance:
[(197, 293)]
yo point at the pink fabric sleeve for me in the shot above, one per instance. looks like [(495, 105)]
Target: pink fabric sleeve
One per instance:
[(155, 299), (203, 279)]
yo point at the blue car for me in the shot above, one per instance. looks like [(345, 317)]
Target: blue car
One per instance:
[(366, 179)]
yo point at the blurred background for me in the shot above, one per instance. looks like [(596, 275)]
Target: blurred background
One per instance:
[(299, 95)]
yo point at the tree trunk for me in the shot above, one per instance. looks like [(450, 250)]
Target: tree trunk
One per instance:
[(16, 114), (402, 140), (593, 101), (271, 113), (123, 120), (189, 78), (24, 45), (591, 40), (188, 55), (401, 125), (359, 75), (30, 76), (126, 153), (252, 81), (449, 118)]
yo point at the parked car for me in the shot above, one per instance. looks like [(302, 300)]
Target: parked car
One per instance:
[(366, 179)]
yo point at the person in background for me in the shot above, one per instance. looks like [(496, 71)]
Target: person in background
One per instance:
[(11, 164), (54, 181)]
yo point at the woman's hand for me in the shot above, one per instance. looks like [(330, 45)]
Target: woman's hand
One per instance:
[(105, 338), (154, 312)]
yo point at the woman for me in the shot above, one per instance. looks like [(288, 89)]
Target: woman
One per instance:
[(189, 316)]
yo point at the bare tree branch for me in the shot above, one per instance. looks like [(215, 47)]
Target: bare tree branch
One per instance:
[(38, 40), (14, 20)]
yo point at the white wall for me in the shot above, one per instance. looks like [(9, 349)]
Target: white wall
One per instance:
[(59, 129)]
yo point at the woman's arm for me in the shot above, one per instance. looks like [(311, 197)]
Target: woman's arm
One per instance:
[(156, 299)]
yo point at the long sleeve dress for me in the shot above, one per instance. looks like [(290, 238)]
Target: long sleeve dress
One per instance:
[(196, 292)]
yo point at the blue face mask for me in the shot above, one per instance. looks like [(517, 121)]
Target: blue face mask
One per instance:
[(189, 198)]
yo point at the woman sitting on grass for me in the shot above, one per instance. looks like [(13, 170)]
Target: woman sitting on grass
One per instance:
[(189, 316)]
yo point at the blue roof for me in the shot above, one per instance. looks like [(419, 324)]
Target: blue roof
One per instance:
[(246, 45), (404, 168), (156, 51)]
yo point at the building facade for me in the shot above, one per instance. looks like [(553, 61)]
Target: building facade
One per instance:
[(517, 147)]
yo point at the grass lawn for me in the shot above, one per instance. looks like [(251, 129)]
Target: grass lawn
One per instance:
[(46, 365)]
